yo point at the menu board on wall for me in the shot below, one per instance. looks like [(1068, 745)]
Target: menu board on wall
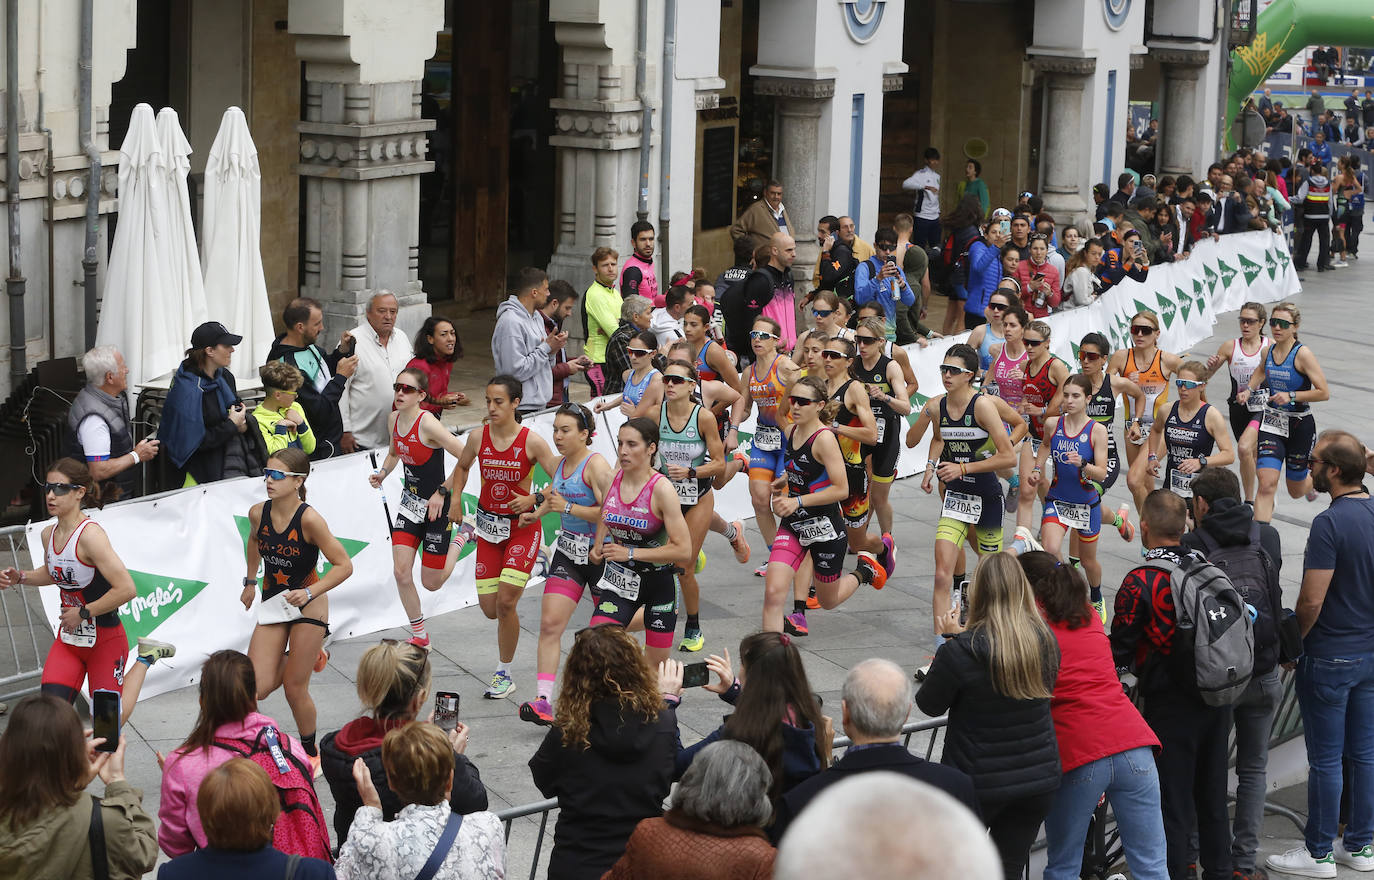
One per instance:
[(717, 177)]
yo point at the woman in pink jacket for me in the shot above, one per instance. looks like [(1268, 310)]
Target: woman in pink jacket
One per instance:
[(228, 712), (1041, 286)]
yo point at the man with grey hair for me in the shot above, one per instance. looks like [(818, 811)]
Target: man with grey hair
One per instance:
[(98, 428), (883, 825), (874, 704), (382, 353)]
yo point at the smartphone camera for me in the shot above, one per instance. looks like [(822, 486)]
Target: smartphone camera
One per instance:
[(105, 711), (446, 710), (694, 675)]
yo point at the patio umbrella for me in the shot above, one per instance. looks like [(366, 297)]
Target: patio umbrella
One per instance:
[(134, 315), (235, 288), (187, 303)]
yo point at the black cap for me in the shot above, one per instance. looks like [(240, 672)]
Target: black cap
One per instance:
[(213, 333)]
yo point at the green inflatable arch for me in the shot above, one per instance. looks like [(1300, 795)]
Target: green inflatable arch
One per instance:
[(1284, 29)]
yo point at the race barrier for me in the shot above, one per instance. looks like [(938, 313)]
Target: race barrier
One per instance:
[(185, 548)]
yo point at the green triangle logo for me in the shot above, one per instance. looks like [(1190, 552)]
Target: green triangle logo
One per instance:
[(1167, 310), (1074, 345), (1283, 258), (1141, 307), (1271, 263), (1184, 303), (1212, 277), (159, 597), (1227, 273), (351, 546), (1249, 268)]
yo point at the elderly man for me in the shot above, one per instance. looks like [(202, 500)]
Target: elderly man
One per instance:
[(874, 704), (98, 430), (762, 220), (381, 353)]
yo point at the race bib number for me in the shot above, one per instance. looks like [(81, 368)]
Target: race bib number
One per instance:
[(277, 610), (575, 547), (688, 490), (413, 507), (84, 637), (1073, 516), (618, 579), (1181, 484), (1275, 422), (882, 431), (1257, 400), (962, 506), (767, 438), (492, 528), (817, 528), (1035, 447), (1146, 423)]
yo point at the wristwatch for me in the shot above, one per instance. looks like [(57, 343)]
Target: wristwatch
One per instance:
[(1201, 462), (84, 613), (539, 499), (250, 582), (691, 473)]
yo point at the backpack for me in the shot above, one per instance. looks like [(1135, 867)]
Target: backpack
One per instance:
[(301, 827), (1213, 626), (1254, 575)]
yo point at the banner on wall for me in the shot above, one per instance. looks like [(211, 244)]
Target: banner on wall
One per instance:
[(185, 549)]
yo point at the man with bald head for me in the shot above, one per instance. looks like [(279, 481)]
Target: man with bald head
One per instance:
[(382, 353), (767, 291), (874, 704)]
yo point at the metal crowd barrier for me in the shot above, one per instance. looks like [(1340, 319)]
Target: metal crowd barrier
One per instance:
[(544, 808), (28, 633)]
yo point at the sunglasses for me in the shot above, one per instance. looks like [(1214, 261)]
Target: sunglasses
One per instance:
[(997, 307), (575, 410), (1248, 321), (822, 313), (1280, 323), (801, 401), (953, 370), (1190, 384), (1039, 236), (282, 391), (831, 354), (761, 334), (866, 340), (401, 387), (1033, 342), (59, 489), (1142, 329), (274, 474), (883, 246), (1088, 357), (675, 379), (637, 352)]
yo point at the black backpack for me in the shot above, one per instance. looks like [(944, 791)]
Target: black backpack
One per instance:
[(1253, 573)]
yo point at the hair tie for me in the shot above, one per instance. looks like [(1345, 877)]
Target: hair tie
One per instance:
[(1059, 565), (785, 639)]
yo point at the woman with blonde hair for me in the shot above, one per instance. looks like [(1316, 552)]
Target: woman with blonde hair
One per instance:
[(609, 756), (994, 678)]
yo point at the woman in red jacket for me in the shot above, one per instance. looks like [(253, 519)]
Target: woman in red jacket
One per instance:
[(1041, 286), (1105, 747)]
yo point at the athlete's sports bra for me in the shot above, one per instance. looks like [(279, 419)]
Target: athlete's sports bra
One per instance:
[(288, 559), (1152, 381), (1010, 376), (633, 523), (1243, 365), (634, 391), (574, 488), (985, 347)]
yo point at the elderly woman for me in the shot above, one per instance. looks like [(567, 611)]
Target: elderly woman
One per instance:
[(239, 807), (635, 315), (419, 761), (279, 417), (718, 812)]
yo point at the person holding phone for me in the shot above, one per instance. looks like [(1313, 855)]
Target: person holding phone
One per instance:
[(1039, 278), (91, 644), (880, 280), (288, 537), (204, 425)]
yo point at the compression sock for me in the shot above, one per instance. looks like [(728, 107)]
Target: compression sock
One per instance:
[(417, 627), (308, 743), (798, 606), (1095, 593), (1075, 562), (730, 533), (544, 686), (693, 621)]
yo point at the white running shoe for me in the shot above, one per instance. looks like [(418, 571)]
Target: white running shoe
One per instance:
[(1299, 861)]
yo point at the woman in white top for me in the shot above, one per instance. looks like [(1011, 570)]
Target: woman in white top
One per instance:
[(1242, 356), (1080, 279)]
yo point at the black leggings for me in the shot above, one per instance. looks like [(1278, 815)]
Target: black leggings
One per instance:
[(1013, 825)]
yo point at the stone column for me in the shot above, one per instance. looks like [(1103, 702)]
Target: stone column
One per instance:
[(799, 105), (363, 146), (1066, 79), (1182, 69)]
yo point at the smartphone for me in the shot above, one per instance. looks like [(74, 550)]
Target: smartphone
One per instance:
[(1006, 227), (1137, 246), (349, 348), (446, 710), (694, 675), (105, 710), (891, 258)]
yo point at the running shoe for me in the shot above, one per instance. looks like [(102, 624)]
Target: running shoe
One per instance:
[(316, 771), (692, 641), (501, 686), (761, 570), (419, 641), (1013, 497), (1024, 541), (741, 544), (1340, 264), (1361, 859), (812, 603), (1100, 606), (889, 556), (321, 661), (701, 561), (1126, 529), (1302, 863), (152, 650), (1312, 495), (538, 711), (875, 569), (794, 624)]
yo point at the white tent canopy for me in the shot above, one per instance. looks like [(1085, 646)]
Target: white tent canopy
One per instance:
[(235, 288)]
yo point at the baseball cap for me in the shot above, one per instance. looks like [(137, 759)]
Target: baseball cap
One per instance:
[(213, 333), (1149, 178), (1001, 214)]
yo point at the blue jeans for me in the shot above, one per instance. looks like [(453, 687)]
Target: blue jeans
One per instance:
[(1253, 717), (1131, 783), (1336, 696)]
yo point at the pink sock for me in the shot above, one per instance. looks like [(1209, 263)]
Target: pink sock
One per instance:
[(544, 686)]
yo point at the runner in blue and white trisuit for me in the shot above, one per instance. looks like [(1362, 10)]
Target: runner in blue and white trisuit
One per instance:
[(1287, 431), (1242, 356), (643, 384), (1073, 503), (1187, 436)]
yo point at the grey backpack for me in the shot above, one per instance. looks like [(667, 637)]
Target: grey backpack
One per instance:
[(1213, 627)]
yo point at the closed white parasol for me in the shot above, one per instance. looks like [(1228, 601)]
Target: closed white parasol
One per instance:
[(187, 307), (235, 288)]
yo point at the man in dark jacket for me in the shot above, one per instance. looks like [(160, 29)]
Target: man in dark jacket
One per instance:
[(1193, 735), (1224, 521), (325, 376), (746, 303), (875, 702)]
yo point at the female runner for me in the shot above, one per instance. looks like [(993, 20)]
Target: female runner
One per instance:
[(855, 427), (643, 384), (970, 444), (814, 483), (1153, 379), (1006, 378), (91, 644), (1073, 503), (1187, 435), (576, 492), (422, 520), (640, 536), (1241, 364), (288, 538), (813, 364), (711, 359), (1093, 352), (1040, 396), (692, 454), (765, 382), (887, 393), (507, 545), (1287, 432), (890, 348), (830, 316), (985, 336)]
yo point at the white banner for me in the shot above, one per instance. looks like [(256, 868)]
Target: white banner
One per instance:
[(185, 549)]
